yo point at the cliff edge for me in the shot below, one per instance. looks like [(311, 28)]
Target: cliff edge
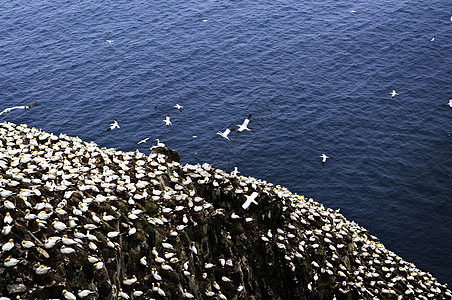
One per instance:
[(79, 221)]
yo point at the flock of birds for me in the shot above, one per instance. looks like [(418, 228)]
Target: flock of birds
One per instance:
[(66, 202), (167, 121)]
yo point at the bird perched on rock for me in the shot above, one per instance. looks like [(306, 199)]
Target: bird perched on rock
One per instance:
[(68, 295)]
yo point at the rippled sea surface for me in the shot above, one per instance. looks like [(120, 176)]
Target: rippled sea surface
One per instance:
[(315, 75)]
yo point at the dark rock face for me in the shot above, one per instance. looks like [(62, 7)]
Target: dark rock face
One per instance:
[(171, 155), (117, 225)]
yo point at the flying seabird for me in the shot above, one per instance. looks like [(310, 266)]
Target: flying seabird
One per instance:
[(143, 141), (393, 93), (250, 199), (113, 125), (450, 103), (167, 121), (226, 133), (244, 125), (235, 172), (8, 110), (324, 157), (179, 107)]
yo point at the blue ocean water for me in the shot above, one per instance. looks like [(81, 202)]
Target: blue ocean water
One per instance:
[(315, 76)]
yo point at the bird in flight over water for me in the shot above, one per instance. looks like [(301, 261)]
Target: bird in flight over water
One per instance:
[(244, 125), (226, 133), (143, 140), (167, 121), (179, 107), (8, 110), (324, 157), (113, 125), (450, 103), (393, 93)]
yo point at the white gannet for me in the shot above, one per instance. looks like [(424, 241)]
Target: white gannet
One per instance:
[(167, 121), (193, 248), (143, 261), (244, 125), (143, 140), (324, 157), (156, 274), (188, 295), (113, 234), (209, 293), (129, 281), (27, 244), (8, 246), (98, 265), (66, 250), (433, 38), (9, 205), (84, 293), (113, 125), (8, 219), (250, 199), (8, 110), (69, 295), (450, 103), (178, 107), (10, 262), (6, 229), (159, 144), (123, 295), (235, 172), (41, 270), (393, 94), (225, 133)]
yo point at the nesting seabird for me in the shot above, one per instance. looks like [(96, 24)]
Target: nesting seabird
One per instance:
[(324, 157), (113, 125), (178, 107), (167, 121), (159, 144), (8, 110), (244, 125), (226, 133)]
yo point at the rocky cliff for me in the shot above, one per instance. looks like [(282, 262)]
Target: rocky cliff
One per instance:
[(79, 221)]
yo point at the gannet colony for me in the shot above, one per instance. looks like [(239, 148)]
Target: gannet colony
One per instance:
[(83, 222)]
